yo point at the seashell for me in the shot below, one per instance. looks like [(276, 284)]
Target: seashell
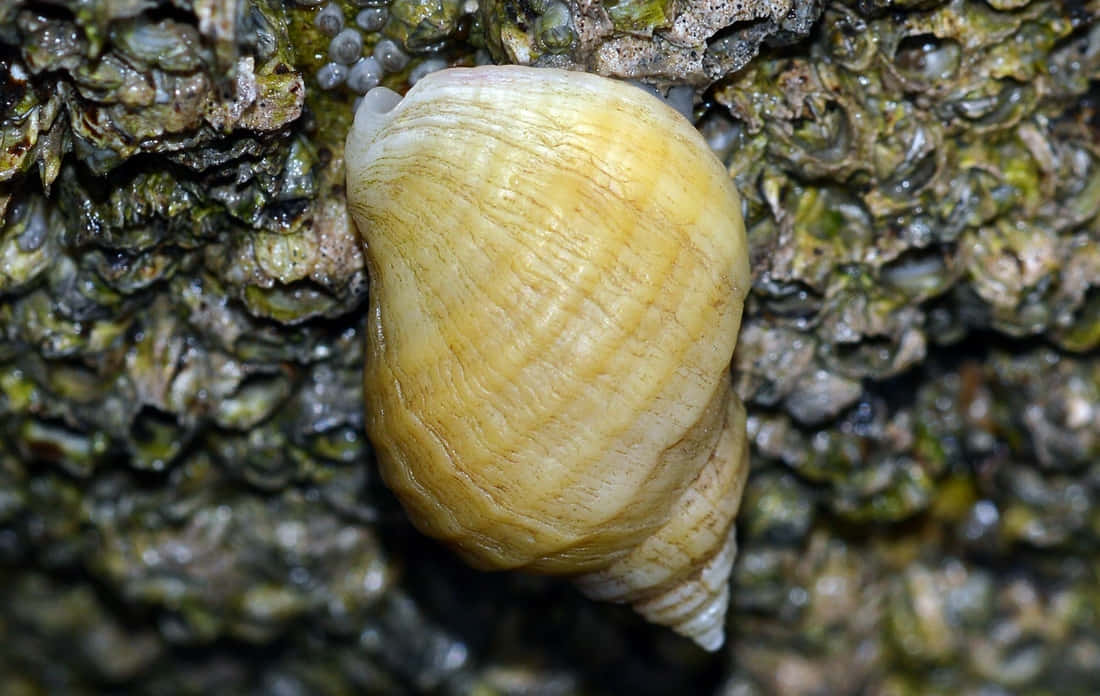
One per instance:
[(557, 271), (365, 74), (372, 18), (331, 74), (429, 65), (330, 20), (346, 47), (390, 55), (554, 28)]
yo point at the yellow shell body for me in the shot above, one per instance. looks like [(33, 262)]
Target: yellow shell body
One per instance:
[(557, 267)]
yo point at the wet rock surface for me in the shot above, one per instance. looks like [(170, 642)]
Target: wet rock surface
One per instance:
[(187, 501)]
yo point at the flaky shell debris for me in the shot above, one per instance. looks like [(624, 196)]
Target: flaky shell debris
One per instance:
[(557, 266)]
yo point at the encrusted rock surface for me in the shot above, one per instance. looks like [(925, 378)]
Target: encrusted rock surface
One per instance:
[(187, 501)]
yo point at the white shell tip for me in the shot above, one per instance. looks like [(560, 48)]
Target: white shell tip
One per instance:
[(712, 640)]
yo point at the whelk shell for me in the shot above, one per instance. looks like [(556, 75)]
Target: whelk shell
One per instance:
[(558, 267)]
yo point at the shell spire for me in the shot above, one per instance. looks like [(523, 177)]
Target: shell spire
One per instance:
[(687, 588), (558, 267)]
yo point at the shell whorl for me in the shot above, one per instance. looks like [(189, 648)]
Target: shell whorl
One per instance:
[(680, 585), (557, 271)]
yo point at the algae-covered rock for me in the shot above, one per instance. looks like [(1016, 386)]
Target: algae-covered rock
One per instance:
[(187, 499)]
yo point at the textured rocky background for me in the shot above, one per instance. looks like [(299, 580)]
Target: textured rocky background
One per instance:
[(187, 503)]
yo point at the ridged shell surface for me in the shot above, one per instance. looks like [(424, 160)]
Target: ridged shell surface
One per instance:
[(558, 266)]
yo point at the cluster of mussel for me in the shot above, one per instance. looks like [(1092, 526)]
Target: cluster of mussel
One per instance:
[(919, 352), (177, 352), (921, 188)]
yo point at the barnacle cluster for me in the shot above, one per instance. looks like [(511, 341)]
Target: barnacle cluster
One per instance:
[(915, 184), (183, 470)]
